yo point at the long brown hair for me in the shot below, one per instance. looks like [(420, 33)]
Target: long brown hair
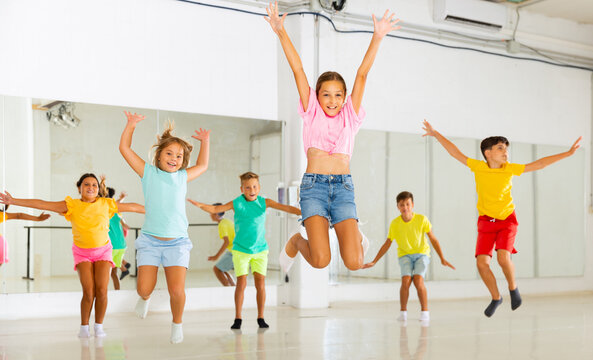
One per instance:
[(167, 139), (329, 76)]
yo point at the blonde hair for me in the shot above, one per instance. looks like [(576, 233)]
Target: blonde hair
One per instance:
[(166, 139), (248, 176)]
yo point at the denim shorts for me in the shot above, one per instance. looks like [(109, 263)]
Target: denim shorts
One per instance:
[(414, 264), (225, 263), (152, 251), (330, 196)]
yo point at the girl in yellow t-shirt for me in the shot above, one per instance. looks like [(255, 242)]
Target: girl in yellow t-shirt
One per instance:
[(89, 216), (14, 216)]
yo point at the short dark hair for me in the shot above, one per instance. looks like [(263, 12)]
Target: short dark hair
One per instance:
[(110, 192), (403, 196), (4, 208), (489, 142), (220, 214)]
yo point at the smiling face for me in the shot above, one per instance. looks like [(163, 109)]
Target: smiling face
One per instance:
[(331, 96), (406, 208), (171, 158), (250, 189), (89, 189), (497, 155)]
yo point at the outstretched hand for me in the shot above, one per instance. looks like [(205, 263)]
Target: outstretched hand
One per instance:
[(446, 263), (196, 203), (134, 118), (428, 129), (368, 265), (43, 216), (202, 134), (386, 24), (6, 198), (575, 146), (273, 18)]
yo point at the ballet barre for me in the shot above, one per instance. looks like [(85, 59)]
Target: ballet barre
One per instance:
[(136, 230)]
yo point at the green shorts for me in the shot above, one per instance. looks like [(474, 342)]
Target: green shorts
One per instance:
[(242, 261), (118, 256)]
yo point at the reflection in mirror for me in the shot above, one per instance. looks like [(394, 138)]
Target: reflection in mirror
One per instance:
[(386, 163), (55, 154)]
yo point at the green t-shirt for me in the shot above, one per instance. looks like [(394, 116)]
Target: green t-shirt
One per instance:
[(116, 233), (250, 225)]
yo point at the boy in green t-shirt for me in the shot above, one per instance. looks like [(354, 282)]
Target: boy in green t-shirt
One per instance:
[(250, 248), (413, 252)]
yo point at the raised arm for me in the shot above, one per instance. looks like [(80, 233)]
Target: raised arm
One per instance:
[(225, 243), (449, 146), (23, 216), (437, 247), (55, 206), (202, 163), (382, 251), (277, 24), (130, 207), (212, 209), (549, 160), (382, 28), (125, 143), (286, 208)]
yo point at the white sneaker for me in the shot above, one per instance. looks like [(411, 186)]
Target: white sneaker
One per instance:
[(99, 332), (84, 332), (403, 316), (424, 316), (284, 260), (142, 307)]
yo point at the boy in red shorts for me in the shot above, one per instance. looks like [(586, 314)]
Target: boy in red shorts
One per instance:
[(497, 224)]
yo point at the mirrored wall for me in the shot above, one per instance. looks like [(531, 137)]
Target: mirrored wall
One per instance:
[(45, 158), (550, 206)]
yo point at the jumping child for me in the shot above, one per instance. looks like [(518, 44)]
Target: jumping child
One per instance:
[(117, 227), (164, 238), (14, 216)]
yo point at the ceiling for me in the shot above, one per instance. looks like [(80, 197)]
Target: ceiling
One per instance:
[(580, 11)]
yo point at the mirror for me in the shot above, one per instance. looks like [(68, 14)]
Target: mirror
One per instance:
[(550, 206), (46, 159)]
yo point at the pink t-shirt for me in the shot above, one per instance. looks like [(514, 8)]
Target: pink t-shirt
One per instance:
[(331, 134)]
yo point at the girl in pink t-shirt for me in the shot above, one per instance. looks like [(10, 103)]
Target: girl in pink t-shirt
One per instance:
[(331, 120)]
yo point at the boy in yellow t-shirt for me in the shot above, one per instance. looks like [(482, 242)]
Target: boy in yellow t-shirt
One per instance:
[(413, 252), (497, 224), (226, 233)]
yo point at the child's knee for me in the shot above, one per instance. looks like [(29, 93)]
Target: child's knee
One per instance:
[(406, 282), (418, 281), (320, 260)]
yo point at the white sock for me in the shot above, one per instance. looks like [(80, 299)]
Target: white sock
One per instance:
[(285, 260), (99, 330), (424, 315), (176, 333), (142, 307), (403, 316), (84, 331), (365, 243)]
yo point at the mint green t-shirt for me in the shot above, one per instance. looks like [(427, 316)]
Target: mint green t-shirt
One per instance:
[(116, 233), (250, 225), (164, 202)]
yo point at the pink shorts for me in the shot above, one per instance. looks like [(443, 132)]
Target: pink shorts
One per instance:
[(3, 251), (91, 255)]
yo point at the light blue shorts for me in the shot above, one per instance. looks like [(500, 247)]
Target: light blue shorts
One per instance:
[(225, 263), (152, 251), (414, 264), (330, 196)]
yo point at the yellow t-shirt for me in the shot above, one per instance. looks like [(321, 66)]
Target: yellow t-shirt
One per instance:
[(410, 235), (90, 221), (227, 228), (494, 188)]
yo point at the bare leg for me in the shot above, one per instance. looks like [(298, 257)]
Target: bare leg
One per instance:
[(260, 286), (404, 293), (350, 240), (102, 269), (176, 285), (123, 265), (220, 276), (316, 249), (422, 293), (87, 280), (115, 279), (483, 262), (239, 295), (230, 279), (508, 268), (147, 275)]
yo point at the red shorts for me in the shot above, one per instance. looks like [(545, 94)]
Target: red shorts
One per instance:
[(496, 234)]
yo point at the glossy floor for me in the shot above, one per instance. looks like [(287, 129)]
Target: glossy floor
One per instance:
[(552, 327)]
